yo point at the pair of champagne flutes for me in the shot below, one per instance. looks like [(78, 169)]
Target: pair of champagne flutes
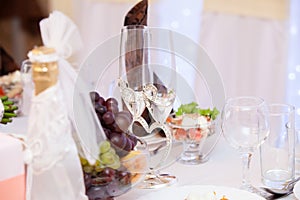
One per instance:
[(249, 123)]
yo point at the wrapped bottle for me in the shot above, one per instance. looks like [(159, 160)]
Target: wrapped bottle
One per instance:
[(54, 169)]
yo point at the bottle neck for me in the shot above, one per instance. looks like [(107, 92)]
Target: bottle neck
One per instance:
[(44, 75)]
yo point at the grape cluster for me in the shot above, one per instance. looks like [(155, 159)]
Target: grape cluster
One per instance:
[(106, 178), (115, 123)]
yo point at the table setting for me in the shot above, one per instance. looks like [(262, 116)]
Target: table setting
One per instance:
[(129, 124)]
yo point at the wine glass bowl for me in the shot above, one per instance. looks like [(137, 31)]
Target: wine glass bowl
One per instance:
[(160, 101), (245, 126)]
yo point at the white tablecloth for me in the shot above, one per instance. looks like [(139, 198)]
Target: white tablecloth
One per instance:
[(223, 168)]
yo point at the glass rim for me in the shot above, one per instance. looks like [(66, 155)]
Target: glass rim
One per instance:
[(232, 102), (280, 108), (134, 27)]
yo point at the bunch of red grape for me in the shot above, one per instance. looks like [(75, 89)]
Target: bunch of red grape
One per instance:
[(115, 123), (108, 178)]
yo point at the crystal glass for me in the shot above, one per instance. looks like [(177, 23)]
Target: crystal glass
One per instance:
[(148, 88), (245, 126), (277, 154), (109, 182), (27, 85), (123, 159), (194, 136)]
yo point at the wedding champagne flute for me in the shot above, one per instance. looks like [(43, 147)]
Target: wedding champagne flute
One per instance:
[(133, 68), (147, 83), (245, 127)]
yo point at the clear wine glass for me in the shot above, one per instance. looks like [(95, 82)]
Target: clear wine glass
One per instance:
[(148, 83), (245, 127)]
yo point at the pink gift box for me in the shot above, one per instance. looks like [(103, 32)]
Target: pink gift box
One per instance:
[(12, 172)]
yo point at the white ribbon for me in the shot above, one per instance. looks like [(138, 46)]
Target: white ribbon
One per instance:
[(58, 31)]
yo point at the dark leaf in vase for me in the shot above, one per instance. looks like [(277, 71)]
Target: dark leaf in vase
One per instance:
[(138, 14)]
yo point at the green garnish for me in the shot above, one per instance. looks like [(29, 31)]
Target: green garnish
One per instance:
[(193, 108), (9, 110)]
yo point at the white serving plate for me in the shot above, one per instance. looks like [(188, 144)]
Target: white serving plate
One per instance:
[(181, 193), (296, 190)]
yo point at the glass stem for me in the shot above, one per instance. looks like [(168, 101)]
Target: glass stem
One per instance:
[(246, 159)]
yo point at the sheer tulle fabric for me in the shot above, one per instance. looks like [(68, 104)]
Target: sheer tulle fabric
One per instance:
[(53, 163), (59, 32), (54, 137)]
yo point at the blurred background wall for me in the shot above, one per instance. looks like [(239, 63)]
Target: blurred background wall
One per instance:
[(254, 43)]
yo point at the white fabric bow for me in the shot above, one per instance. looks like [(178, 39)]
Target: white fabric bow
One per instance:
[(59, 32)]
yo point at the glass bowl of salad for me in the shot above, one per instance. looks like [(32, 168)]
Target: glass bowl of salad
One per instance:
[(194, 126)]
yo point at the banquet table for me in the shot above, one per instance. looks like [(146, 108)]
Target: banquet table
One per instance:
[(224, 167)]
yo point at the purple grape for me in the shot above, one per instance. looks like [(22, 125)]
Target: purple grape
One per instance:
[(112, 107), (118, 139), (100, 109), (116, 189), (111, 101), (94, 96), (101, 181), (97, 193), (114, 127), (129, 145), (87, 180), (107, 132), (133, 139), (109, 172), (101, 101), (123, 120), (108, 118)]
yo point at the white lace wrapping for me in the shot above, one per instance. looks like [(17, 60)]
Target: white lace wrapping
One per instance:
[(54, 170)]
